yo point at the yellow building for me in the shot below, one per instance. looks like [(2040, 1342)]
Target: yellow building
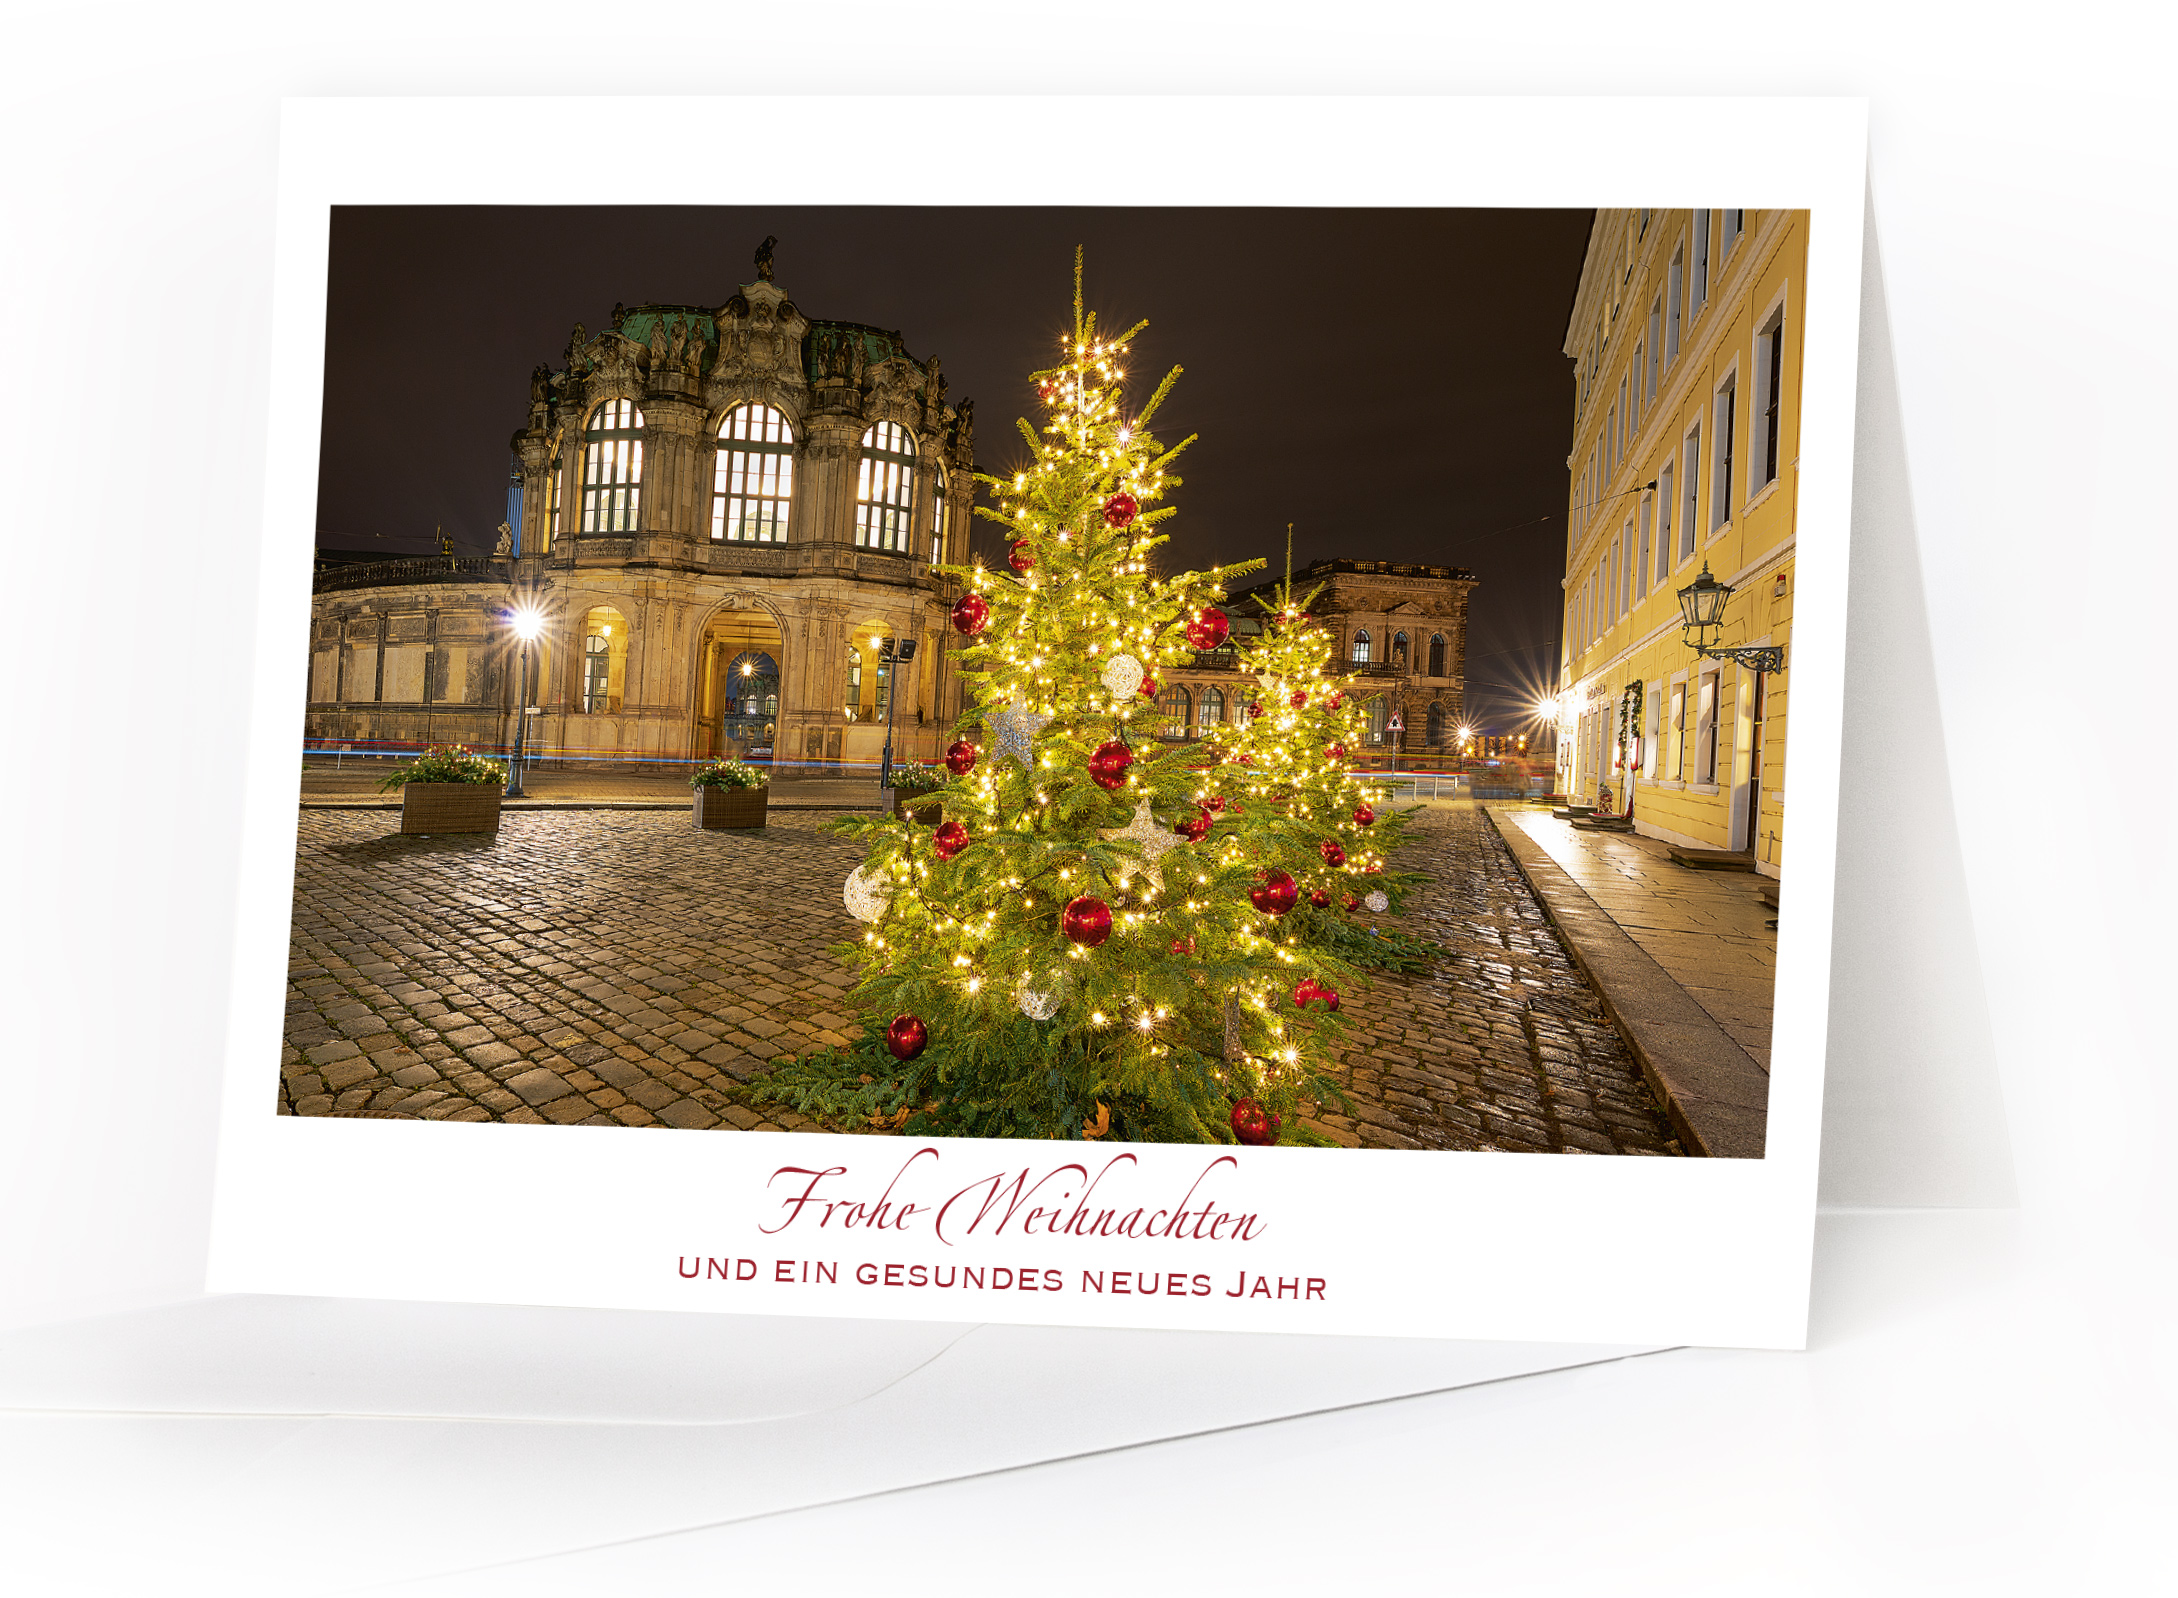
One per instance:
[(1686, 338)]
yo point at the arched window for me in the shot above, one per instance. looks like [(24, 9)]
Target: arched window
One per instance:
[(885, 495), (1399, 650), (1361, 646), (604, 659), (854, 683), (1436, 654), (1173, 703), (937, 515), (552, 506), (612, 468), (752, 488), (752, 685), (1436, 725), (1210, 710)]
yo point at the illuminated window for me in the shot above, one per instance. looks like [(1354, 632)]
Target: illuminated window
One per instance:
[(1361, 647), (604, 660), (1377, 720), (612, 468), (752, 487), (552, 506), (854, 682), (1210, 710), (1399, 650), (1174, 706), (937, 515), (1436, 654), (597, 668), (885, 494)]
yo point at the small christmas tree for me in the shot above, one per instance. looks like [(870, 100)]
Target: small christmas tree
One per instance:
[(1075, 951), (1289, 751)]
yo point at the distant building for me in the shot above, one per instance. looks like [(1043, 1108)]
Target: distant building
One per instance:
[(1686, 338), (1401, 628), (719, 509)]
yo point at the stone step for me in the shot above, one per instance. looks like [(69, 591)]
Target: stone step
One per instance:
[(1715, 859)]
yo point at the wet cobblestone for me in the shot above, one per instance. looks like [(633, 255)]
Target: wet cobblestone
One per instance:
[(619, 968)]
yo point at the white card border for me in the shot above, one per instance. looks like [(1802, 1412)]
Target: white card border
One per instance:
[(1416, 1243)]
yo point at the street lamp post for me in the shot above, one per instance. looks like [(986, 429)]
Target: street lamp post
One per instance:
[(893, 653), (526, 623)]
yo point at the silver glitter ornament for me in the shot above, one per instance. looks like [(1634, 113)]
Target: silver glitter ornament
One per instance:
[(1378, 901), (1014, 732), (1149, 835), (1040, 1006)]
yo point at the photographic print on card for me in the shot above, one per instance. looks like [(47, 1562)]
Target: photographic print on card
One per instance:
[(1073, 698)]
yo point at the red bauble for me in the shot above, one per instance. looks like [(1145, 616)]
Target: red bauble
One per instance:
[(1254, 1125), (1300, 698), (1086, 921), (1148, 690), (906, 1036), (1352, 903), (1208, 628), (1335, 752), (1019, 557), (1363, 815), (1254, 710), (1332, 854), (1245, 760), (1374, 866), (1306, 991), (960, 757), (1275, 894), (1195, 828), (949, 840), (1216, 801), (1320, 899), (1330, 996), (1334, 702), (1119, 509), (1108, 765), (971, 613), (1183, 945)]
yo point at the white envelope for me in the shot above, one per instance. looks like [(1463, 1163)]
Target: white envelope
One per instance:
[(298, 1446)]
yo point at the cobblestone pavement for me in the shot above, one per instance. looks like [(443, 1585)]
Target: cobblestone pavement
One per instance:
[(609, 967), (1503, 1045)]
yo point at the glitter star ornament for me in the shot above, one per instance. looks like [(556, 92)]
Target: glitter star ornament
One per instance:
[(867, 894), (1014, 732), (1151, 836), (1122, 676)]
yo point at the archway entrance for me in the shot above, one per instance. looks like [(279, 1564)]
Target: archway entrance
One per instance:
[(738, 686)]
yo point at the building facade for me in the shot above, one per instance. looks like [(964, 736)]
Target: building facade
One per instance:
[(719, 512), (1402, 629), (1686, 340)]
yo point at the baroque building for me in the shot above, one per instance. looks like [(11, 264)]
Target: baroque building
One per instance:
[(719, 511), (1686, 337), (1402, 629)]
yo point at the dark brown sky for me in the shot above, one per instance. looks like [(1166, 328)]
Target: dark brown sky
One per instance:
[(1388, 381)]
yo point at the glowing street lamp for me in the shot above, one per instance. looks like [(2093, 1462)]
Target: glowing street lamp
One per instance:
[(525, 622)]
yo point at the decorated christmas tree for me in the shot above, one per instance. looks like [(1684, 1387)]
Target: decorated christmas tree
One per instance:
[(1081, 947), (1291, 751)]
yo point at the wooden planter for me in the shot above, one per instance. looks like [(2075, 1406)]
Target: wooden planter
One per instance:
[(435, 807), (909, 802), (731, 809)]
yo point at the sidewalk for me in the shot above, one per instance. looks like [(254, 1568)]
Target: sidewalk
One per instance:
[(1683, 958), (354, 786)]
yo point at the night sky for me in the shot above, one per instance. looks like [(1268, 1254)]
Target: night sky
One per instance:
[(1390, 382)]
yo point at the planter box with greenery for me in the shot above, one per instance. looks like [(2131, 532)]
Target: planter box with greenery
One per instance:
[(911, 784), (448, 789), (730, 796)]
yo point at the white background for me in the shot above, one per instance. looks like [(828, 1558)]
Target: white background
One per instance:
[(1990, 1399)]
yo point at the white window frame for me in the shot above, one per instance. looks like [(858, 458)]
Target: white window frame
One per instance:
[(1667, 482), (753, 468), (1690, 495), (1724, 404), (885, 488), (1641, 569), (1674, 312), (1766, 360), (1699, 266)]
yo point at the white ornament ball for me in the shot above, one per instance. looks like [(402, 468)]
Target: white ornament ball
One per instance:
[(1122, 677), (1038, 1006), (867, 894), (1378, 901)]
